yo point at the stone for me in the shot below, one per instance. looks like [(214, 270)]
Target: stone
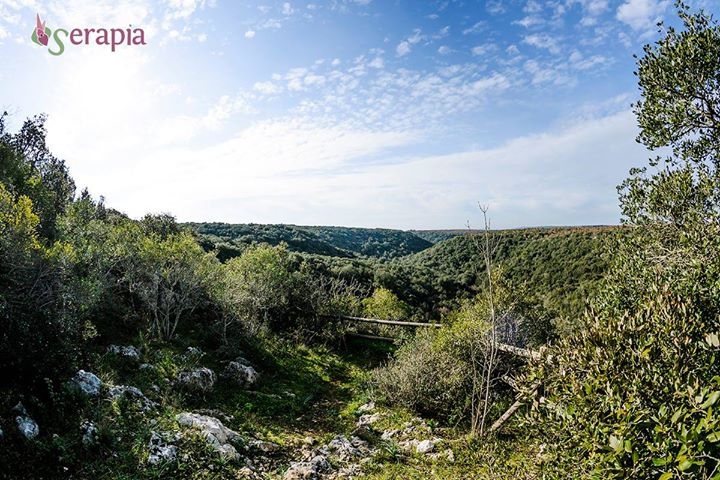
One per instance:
[(193, 352), (217, 435), (89, 434), (201, 380), (366, 408), (241, 373), (86, 382), (367, 420), (160, 450), (131, 393), (129, 352), (307, 470), (27, 427), (426, 446), (263, 446)]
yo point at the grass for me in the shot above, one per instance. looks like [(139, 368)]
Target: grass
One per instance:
[(303, 392)]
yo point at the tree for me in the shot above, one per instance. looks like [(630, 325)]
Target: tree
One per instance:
[(679, 109), (634, 394)]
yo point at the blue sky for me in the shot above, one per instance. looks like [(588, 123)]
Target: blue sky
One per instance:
[(400, 114)]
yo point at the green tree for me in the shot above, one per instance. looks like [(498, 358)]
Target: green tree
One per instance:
[(679, 109), (386, 305), (634, 395)]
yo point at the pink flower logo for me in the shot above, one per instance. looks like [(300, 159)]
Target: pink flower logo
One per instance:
[(41, 33)]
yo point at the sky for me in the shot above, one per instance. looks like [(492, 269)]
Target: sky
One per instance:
[(373, 113)]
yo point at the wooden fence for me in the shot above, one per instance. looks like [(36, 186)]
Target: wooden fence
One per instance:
[(502, 347)]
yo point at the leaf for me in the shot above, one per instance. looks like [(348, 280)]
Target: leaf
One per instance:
[(712, 340), (676, 416), (711, 400), (713, 437), (666, 476), (685, 464)]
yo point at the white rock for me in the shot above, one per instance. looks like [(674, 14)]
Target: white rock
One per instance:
[(367, 420), (241, 373), (160, 450), (27, 427), (426, 446), (129, 352), (215, 433), (131, 393), (87, 382), (198, 380), (368, 407), (89, 433)]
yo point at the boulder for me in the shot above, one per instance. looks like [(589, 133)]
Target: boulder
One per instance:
[(200, 380), (309, 470), (367, 420), (426, 446), (129, 352), (241, 373), (27, 427), (217, 435), (131, 393), (86, 382), (160, 450)]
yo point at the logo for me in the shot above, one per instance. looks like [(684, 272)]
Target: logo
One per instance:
[(112, 37)]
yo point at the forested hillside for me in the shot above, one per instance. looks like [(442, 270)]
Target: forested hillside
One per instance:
[(230, 239)]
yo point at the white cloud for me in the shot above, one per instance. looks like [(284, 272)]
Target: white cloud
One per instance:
[(483, 49), (376, 62), (529, 21), (292, 172), (544, 41), (250, 34), (267, 88), (642, 14), (475, 29), (287, 9), (403, 48), (444, 50)]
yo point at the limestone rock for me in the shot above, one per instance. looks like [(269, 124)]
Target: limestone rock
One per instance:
[(200, 380), (215, 433), (89, 434), (86, 382), (160, 450), (131, 393), (129, 352), (27, 427), (241, 373), (426, 446)]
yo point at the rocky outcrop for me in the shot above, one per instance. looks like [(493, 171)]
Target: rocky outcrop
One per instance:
[(200, 380), (217, 435), (87, 383)]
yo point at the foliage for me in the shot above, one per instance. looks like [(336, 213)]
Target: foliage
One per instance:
[(343, 242), (385, 304), (679, 79), (635, 394)]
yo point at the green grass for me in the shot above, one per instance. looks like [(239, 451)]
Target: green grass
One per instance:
[(303, 391)]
